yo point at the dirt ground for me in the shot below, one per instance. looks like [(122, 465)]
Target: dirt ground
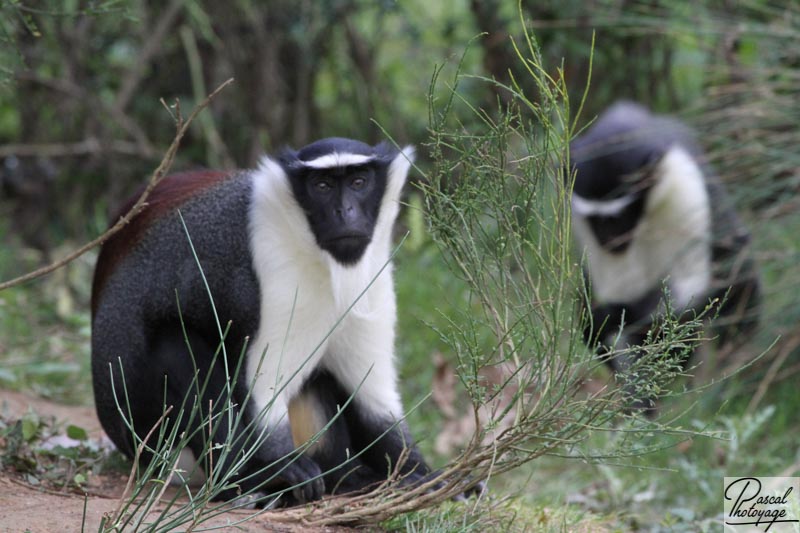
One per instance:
[(24, 507)]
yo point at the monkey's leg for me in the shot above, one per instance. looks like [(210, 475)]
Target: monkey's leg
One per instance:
[(251, 458)]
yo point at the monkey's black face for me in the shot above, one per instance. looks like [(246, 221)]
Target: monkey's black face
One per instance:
[(610, 192), (339, 183), (342, 206)]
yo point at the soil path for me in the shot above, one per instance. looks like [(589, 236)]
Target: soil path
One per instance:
[(24, 507)]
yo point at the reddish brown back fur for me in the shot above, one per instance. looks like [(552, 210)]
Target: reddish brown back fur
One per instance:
[(171, 192)]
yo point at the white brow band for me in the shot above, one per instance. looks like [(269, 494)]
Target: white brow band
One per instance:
[(337, 159), (585, 207)]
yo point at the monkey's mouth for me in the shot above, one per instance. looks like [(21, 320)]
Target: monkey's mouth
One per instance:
[(351, 239), (347, 249)]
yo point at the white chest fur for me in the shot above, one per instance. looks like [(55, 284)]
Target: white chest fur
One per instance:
[(315, 312), (671, 243)]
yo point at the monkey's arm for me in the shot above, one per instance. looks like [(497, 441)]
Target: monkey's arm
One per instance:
[(608, 318), (376, 421), (364, 366)]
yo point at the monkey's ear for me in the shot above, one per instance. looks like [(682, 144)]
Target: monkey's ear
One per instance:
[(398, 170), (288, 159), (408, 153)]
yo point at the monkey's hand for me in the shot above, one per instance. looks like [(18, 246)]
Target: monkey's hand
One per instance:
[(291, 480), (475, 489), (303, 476), (606, 321)]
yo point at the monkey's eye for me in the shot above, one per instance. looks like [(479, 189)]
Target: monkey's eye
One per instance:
[(322, 186), (358, 182)]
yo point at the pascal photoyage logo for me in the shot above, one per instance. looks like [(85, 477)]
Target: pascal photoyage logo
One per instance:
[(759, 504)]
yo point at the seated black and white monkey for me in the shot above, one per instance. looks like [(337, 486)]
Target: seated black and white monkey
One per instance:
[(649, 215), (286, 249)]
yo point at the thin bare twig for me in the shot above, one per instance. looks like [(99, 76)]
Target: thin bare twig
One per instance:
[(40, 488), (787, 349), (155, 178)]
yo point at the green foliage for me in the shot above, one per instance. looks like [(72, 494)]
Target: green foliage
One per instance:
[(84, 82), (45, 330), (498, 515), (498, 209)]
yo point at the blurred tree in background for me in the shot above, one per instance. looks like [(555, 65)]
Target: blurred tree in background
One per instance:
[(88, 90), (81, 120), (80, 112)]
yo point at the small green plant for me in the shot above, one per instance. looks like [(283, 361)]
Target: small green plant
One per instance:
[(44, 455)]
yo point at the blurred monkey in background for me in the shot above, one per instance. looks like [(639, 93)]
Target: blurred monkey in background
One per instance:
[(652, 220)]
